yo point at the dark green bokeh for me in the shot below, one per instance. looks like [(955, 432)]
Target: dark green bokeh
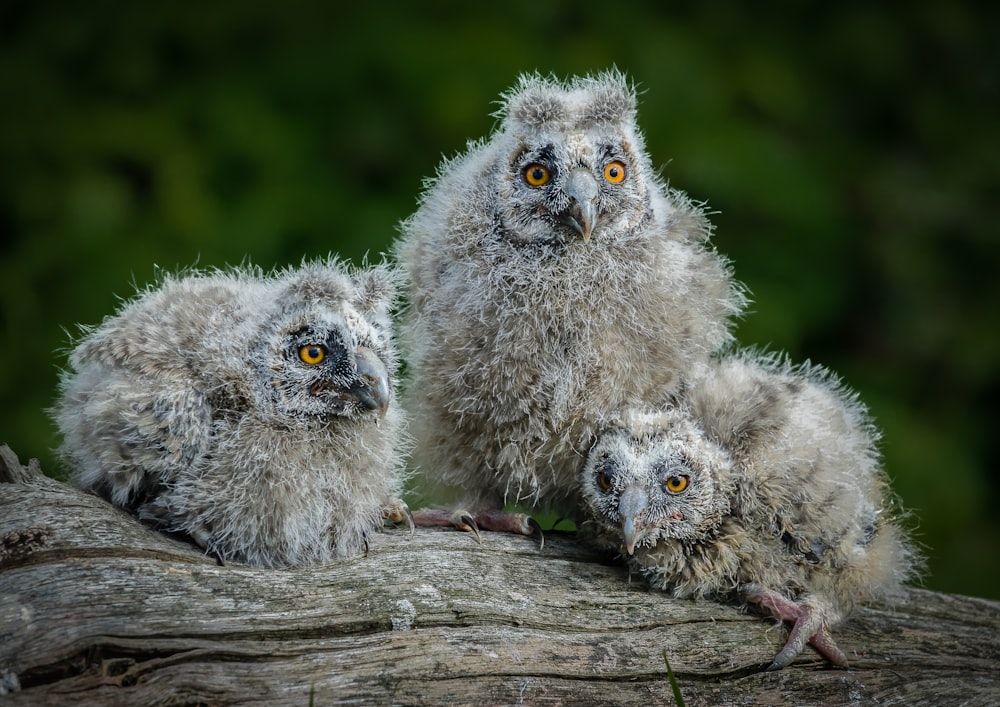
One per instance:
[(852, 154)]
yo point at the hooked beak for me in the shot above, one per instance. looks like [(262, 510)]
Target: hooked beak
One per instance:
[(372, 388), (581, 215), (631, 506)]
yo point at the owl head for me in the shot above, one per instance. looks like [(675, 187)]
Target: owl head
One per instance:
[(326, 352), (570, 164), (656, 476)]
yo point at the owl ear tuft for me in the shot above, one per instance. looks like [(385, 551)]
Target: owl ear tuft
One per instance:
[(611, 99), (535, 101), (603, 99), (376, 288), (320, 281)]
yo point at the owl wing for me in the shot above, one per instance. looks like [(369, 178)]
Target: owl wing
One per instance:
[(166, 433), (131, 436)]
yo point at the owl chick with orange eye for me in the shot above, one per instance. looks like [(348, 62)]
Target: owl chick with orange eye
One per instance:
[(764, 484), (552, 279), (254, 413)]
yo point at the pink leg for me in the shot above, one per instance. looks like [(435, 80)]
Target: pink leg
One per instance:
[(500, 521), (808, 626)]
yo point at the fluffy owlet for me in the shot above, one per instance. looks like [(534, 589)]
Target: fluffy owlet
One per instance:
[(764, 483), (254, 413), (553, 280)]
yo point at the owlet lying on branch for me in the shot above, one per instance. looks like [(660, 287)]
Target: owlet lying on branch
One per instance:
[(764, 483), (254, 413), (553, 280)]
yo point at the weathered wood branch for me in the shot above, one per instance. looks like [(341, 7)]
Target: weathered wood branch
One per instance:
[(97, 609)]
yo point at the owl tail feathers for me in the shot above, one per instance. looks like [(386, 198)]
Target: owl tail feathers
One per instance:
[(811, 621)]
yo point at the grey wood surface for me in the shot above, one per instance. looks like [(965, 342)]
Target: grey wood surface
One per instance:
[(97, 609)]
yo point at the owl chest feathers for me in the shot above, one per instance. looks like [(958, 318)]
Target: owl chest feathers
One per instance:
[(569, 329)]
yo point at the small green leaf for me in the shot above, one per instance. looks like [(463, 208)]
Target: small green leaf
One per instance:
[(673, 681)]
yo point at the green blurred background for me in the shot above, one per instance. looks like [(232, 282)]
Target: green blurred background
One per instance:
[(851, 152)]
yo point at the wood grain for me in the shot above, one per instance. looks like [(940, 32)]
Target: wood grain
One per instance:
[(97, 609)]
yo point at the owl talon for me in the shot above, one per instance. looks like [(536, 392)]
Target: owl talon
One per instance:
[(438, 517), (203, 539), (397, 512), (498, 521), (537, 529), (809, 625), (466, 522), (509, 522), (821, 640)]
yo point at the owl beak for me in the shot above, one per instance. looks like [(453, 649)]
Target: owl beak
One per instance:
[(372, 388), (631, 507), (581, 188)]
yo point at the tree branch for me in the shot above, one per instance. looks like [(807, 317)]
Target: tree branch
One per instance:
[(97, 609)]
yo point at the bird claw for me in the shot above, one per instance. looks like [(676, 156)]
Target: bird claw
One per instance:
[(809, 625), (536, 528), (397, 512), (511, 522), (437, 517), (499, 521), (821, 640), (202, 537), (467, 522)]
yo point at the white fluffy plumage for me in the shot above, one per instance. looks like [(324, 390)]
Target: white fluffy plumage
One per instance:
[(763, 483), (553, 280), (253, 412)]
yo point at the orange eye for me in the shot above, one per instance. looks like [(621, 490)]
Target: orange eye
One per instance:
[(536, 174), (312, 354), (676, 483), (614, 172), (605, 480)]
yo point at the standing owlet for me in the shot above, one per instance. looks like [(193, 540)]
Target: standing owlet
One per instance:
[(553, 280), (254, 413), (763, 483)]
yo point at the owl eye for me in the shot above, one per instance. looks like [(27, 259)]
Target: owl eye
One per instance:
[(537, 174), (312, 354), (605, 479), (614, 172), (676, 483)]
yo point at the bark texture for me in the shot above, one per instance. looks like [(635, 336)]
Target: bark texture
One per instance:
[(97, 609)]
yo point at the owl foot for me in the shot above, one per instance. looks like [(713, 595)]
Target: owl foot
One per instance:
[(203, 539), (499, 521), (809, 625), (509, 522), (397, 511), (438, 517)]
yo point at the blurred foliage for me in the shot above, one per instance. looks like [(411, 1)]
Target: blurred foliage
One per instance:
[(850, 151)]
